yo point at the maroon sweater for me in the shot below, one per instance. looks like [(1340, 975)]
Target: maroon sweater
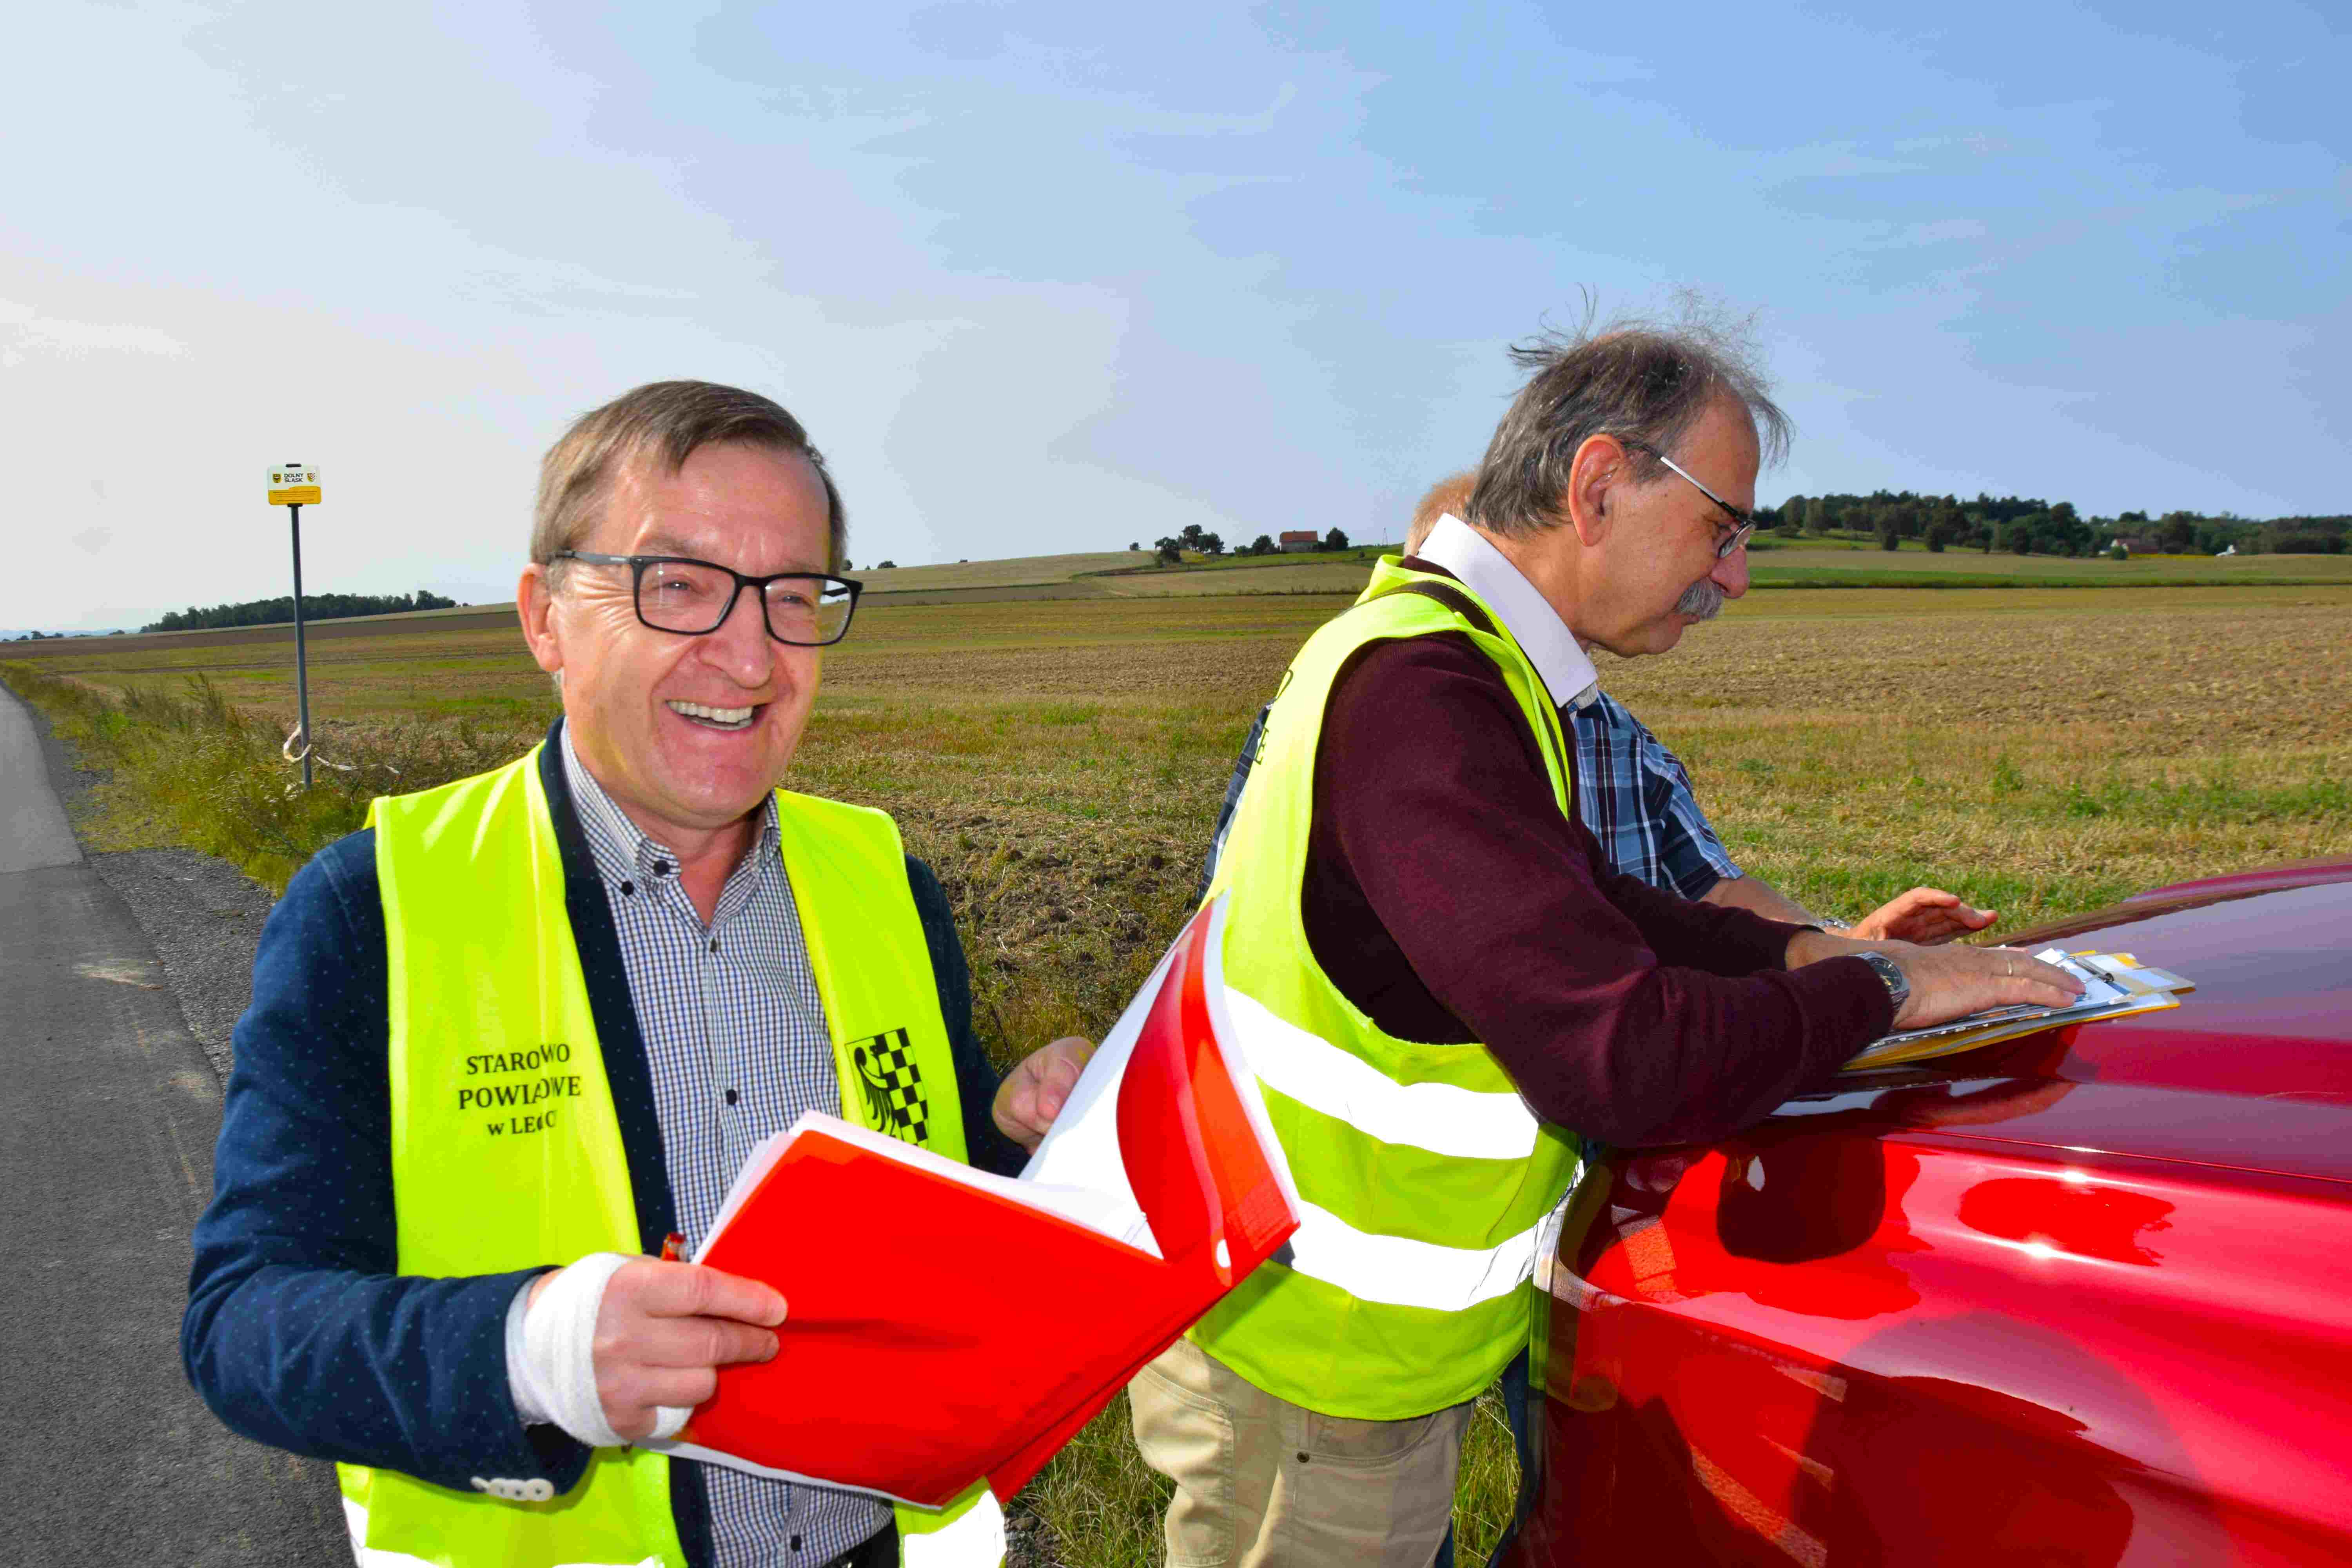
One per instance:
[(1448, 899)]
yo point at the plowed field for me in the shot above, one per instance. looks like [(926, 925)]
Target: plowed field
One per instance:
[(1060, 762)]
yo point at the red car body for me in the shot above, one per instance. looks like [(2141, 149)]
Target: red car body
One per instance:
[(2080, 1298)]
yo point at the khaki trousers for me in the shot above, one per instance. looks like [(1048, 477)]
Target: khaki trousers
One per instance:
[(1263, 1483)]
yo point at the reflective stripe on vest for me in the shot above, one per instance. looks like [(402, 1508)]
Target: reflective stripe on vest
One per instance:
[(355, 1522), (969, 1531), (486, 992), (1437, 1117), (1425, 1180)]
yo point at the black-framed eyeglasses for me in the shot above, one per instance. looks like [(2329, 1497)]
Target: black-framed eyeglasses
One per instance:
[(694, 598), (1743, 523)]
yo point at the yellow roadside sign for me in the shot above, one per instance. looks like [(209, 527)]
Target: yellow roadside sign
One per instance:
[(293, 484)]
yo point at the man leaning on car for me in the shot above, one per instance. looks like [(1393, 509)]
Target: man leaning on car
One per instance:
[(1444, 985), (1636, 797)]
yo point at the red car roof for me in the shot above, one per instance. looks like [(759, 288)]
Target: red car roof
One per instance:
[(2252, 1072), (2262, 878)]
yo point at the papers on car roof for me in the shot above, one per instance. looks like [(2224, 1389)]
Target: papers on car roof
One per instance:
[(2115, 985)]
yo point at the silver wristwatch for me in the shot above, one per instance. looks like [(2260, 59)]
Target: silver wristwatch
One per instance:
[(1898, 989)]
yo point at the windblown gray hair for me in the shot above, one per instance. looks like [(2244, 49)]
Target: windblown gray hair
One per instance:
[(667, 421), (1635, 379)]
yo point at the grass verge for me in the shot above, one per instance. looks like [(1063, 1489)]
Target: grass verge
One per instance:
[(185, 767), (1104, 1504)]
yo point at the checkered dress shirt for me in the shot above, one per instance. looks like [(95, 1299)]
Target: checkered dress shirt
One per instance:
[(735, 1035), (1636, 797)]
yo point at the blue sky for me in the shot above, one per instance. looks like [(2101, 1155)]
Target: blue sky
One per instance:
[(1050, 278)]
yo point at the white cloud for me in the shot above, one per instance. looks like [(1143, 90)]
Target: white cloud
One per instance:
[(1983, 145), (23, 329), (1141, 269), (1825, 161), (1943, 231)]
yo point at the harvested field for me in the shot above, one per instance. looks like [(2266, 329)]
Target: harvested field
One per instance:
[(1124, 575), (1301, 574), (411, 623), (1019, 571), (1779, 556), (1059, 764), (1343, 573)]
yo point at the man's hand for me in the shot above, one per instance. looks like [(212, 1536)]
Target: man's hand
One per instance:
[(1928, 916), (1031, 1094), (1948, 982), (663, 1332)]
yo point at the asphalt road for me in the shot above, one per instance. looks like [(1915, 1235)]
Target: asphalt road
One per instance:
[(106, 1121)]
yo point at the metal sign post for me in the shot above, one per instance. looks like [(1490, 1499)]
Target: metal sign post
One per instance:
[(293, 487)]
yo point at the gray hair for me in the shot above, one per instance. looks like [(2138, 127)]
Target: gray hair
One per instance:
[(668, 420), (1450, 494), (1637, 380)]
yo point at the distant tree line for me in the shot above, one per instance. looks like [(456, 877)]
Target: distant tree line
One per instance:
[(2031, 526), (2020, 525), (1170, 550), (315, 607)]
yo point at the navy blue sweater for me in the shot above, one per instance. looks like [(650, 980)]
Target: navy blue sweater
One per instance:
[(299, 1333)]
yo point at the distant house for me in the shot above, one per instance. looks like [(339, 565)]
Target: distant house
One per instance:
[(2138, 546), (1297, 539)]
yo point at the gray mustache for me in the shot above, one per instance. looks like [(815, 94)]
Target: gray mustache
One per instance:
[(1702, 599)]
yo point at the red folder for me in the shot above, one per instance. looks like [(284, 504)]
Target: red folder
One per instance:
[(946, 1325)]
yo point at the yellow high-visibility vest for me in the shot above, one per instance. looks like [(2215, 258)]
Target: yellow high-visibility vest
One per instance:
[(1427, 1183), (485, 994)]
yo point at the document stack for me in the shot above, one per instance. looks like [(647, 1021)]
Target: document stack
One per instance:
[(2115, 985)]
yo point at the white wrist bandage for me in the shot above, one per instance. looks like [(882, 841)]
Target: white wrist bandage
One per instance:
[(552, 1354)]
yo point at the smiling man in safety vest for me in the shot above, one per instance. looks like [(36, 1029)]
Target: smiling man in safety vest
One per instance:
[(1442, 985), (519, 1029)]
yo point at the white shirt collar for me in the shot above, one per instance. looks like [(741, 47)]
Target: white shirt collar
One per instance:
[(1487, 572), (607, 827)]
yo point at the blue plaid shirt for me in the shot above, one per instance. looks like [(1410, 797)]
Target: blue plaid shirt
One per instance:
[(736, 1041), (1633, 793)]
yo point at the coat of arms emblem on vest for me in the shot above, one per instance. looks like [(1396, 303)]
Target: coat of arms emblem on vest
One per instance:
[(895, 1101)]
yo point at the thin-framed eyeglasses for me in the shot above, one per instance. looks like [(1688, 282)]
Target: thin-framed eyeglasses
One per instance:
[(1744, 523), (693, 598)]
